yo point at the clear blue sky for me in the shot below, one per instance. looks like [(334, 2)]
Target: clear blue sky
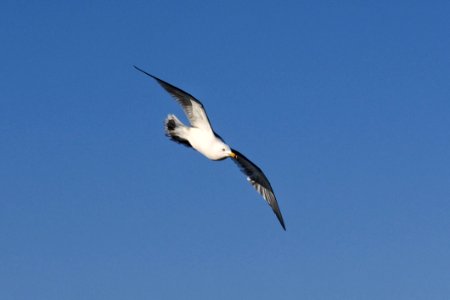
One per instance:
[(344, 104)]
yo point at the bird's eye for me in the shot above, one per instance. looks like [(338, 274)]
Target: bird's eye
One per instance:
[(223, 149)]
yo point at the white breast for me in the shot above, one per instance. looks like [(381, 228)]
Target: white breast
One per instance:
[(205, 142)]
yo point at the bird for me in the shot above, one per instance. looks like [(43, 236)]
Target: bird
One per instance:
[(201, 136)]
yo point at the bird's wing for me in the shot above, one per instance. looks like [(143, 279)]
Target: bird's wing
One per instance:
[(259, 181), (192, 107)]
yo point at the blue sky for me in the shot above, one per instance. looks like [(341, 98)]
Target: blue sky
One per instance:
[(344, 104)]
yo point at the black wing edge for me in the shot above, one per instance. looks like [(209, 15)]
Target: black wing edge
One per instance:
[(176, 92), (244, 163)]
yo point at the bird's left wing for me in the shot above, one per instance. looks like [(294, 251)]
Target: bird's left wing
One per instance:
[(192, 107), (259, 181)]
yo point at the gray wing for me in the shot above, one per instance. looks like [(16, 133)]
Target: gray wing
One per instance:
[(260, 182), (192, 107)]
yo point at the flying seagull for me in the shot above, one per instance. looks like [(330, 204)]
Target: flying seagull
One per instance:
[(202, 138)]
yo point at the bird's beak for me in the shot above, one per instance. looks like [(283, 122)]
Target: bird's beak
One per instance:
[(233, 155)]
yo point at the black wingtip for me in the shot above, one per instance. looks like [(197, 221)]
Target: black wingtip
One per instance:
[(176, 92), (280, 218), (146, 73)]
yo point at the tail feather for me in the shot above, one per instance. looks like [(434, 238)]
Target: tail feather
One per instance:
[(175, 130)]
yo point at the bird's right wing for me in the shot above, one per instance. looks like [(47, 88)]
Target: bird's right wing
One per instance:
[(192, 107)]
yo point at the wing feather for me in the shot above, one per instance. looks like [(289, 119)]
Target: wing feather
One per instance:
[(260, 182), (193, 108)]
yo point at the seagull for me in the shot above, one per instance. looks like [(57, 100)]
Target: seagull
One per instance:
[(202, 138)]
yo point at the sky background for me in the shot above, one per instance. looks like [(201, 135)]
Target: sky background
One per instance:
[(345, 105)]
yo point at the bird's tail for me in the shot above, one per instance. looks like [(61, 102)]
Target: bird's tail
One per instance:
[(176, 130)]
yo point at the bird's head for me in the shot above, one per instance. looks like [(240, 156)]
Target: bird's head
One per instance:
[(224, 151)]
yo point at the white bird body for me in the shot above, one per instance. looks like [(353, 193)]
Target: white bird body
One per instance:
[(208, 144), (201, 138)]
